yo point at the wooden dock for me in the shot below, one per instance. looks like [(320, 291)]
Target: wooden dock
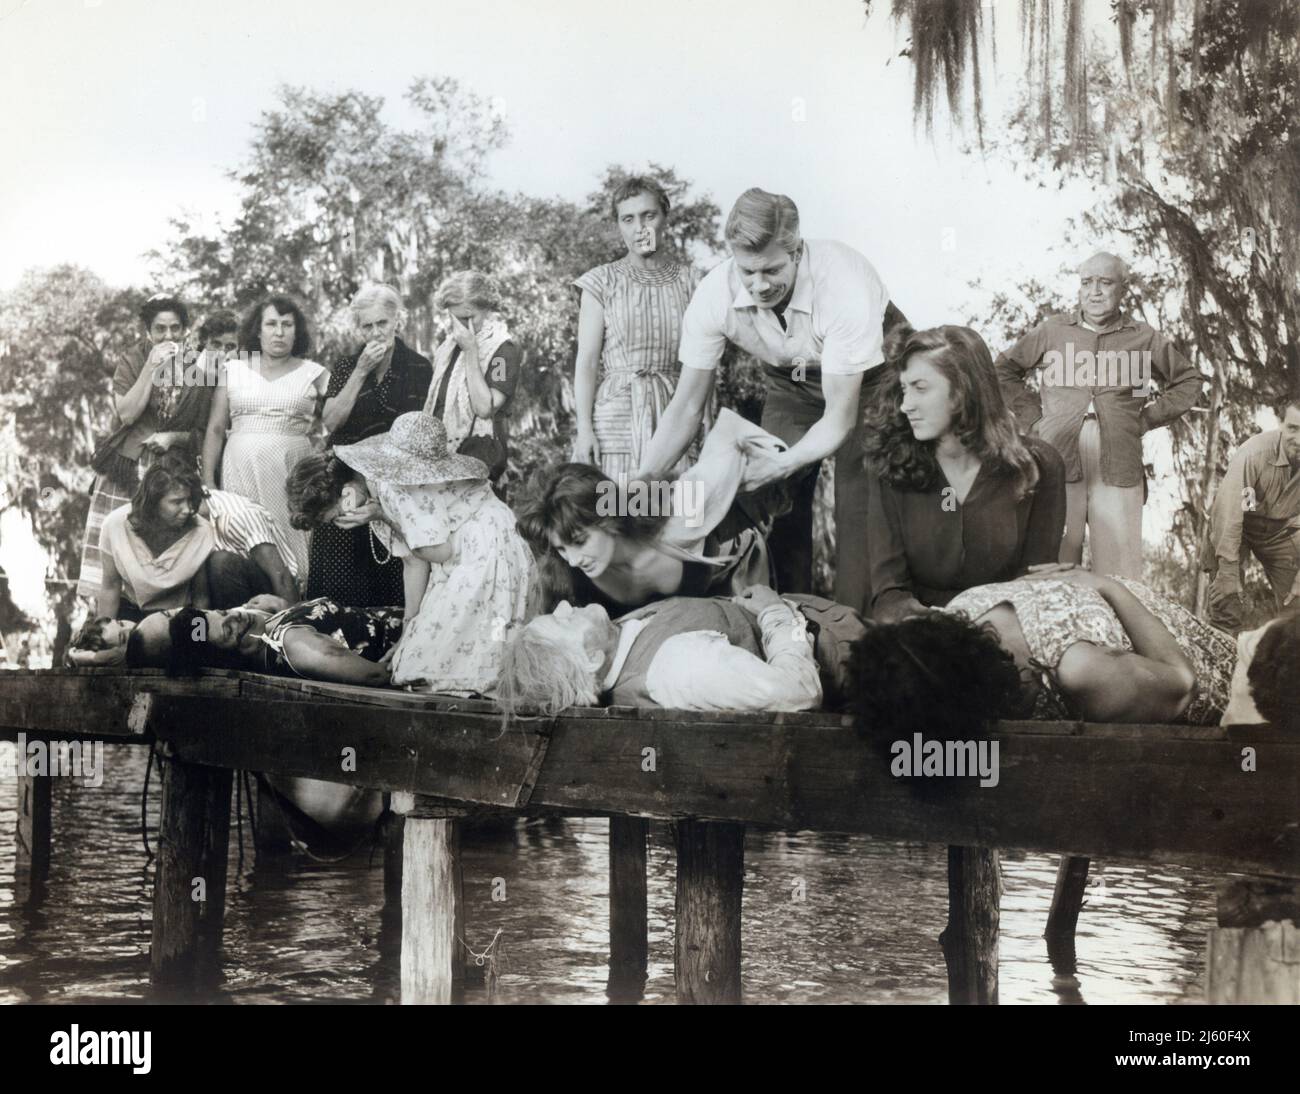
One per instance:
[(1223, 800)]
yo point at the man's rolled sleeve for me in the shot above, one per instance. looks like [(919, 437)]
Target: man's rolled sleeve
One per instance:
[(704, 325), (855, 334), (1180, 381), (1011, 368), (1227, 517)]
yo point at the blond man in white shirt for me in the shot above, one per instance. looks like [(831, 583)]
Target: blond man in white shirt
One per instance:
[(816, 315)]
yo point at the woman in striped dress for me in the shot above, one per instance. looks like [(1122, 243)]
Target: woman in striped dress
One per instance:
[(629, 325), (266, 414)]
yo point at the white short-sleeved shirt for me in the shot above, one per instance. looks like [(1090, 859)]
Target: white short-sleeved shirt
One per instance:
[(834, 321)]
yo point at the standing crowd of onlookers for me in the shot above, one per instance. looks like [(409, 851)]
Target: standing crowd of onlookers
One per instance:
[(965, 490)]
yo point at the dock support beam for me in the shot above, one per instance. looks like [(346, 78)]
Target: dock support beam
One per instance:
[(970, 941), (189, 895), (710, 880), (35, 828), (628, 945), (433, 902), (1067, 901), (1254, 953)]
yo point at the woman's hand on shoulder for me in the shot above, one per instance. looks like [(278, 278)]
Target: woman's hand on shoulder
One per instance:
[(1065, 571)]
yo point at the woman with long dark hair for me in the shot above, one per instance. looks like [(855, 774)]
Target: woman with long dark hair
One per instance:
[(625, 544), (957, 497)]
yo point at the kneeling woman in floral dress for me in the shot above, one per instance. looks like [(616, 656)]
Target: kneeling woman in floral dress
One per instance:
[(466, 570)]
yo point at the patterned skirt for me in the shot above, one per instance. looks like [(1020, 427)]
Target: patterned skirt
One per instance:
[(109, 494)]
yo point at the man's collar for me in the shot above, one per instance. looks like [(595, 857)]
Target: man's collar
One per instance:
[(800, 300), (1281, 459), (1122, 320), (627, 634)]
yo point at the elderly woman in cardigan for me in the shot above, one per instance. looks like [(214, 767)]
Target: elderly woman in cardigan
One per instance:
[(475, 370), (367, 392)]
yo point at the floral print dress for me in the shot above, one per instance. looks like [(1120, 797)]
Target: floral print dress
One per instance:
[(370, 632), (455, 641), (1056, 614)]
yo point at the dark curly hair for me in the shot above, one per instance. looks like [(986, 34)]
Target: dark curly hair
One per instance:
[(250, 333), (315, 484), (222, 321), (1274, 681), (938, 674), (981, 420), (161, 302), (157, 482)]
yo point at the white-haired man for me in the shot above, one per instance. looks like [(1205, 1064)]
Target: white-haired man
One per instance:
[(1093, 405), (818, 318), (753, 652)]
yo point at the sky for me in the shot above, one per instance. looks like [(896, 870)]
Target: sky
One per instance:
[(125, 112), (119, 114)]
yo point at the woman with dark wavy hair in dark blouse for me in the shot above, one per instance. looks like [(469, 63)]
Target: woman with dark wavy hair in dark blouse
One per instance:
[(957, 497)]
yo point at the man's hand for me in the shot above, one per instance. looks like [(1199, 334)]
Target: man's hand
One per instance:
[(757, 599), (764, 463), (1068, 572)]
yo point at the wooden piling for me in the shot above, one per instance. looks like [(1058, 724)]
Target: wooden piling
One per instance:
[(35, 828), (432, 903), (1254, 953), (710, 881), (193, 842), (970, 941), (1067, 901), (628, 945)]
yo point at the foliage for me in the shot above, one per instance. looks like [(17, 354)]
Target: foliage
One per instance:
[(60, 330), (1196, 157), (333, 196)]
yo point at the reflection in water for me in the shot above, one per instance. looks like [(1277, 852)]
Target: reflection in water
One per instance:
[(827, 918)]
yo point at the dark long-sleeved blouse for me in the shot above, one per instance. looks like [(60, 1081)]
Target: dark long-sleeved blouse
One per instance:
[(926, 546)]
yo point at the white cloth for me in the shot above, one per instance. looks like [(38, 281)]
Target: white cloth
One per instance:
[(703, 494), (457, 413), (1241, 709), (155, 582), (835, 318), (701, 670)]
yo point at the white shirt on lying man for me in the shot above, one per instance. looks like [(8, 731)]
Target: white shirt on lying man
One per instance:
[(752, 652), (704, 670)]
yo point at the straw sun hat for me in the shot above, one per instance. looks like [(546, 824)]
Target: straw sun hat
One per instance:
[(412, 453)]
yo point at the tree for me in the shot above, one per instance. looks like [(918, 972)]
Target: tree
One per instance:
[(60, 332), (1196, 153), (332, 197)]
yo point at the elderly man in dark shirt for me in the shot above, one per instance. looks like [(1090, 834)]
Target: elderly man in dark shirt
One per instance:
[(1094, 403)]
